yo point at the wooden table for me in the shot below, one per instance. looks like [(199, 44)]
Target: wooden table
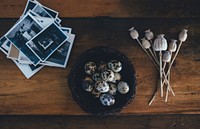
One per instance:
[(106, 23)]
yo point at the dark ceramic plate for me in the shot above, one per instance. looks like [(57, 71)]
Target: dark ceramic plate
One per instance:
[(86, 100)]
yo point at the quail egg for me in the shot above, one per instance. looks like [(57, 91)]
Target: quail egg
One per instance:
[(87, 84), (96, 77), (113, 89), (102, 86), (90, 68), (115, 65), (117, 77), (123, 87), (107, 75), (107, 99)]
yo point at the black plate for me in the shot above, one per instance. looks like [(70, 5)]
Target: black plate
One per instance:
[(86, 100)]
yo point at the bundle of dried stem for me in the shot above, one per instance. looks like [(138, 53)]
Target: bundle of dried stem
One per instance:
[(160, 45)]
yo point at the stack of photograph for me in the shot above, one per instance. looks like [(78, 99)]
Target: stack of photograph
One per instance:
[(37, 39)]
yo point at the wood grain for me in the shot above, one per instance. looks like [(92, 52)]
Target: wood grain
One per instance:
[(48, 92), (108, 122), (110, 8)]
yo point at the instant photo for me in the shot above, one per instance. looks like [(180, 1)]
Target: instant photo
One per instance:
[(28, 70), (40, 9), (66, 29), (46, 42), (22, 32), (61, 56), (29, 6), (45, 17), (37, 39), (53, 13), (4, 45)]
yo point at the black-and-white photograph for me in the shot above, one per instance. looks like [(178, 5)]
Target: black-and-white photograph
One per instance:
[(41, 11), (61, 56), (52, 35), (66, 29), (45, 17), (29, 6), (44, 21), (5, 44), (28, 70), (58, 20), (22, 32), (52, 12)]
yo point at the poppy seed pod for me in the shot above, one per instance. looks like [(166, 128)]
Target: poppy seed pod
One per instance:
[(149, 34), (167, 56), (172, 45), (145, 43), (183, 35), (160, 43), (133, 33)]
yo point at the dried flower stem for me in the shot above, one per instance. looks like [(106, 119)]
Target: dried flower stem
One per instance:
[(153, 56), (161, 86), (170, 88), (170, 65), (147, 53), (167, 94), (155, 93)]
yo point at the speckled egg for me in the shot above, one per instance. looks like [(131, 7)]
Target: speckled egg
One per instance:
[(102, 67), (96, 77), (107, 75), (115, 65), (113, 89), (123, 87), (102, 86), (90, 68), (87, 84), (117, 77), (96, 93), (107, 99)]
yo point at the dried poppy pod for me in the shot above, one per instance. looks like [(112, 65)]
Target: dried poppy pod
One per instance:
[(160, 43), (145, 43), (149, 34), (166, 59), (166, 56), (134, 34), (172, 48), (172, 45), (183, 35)]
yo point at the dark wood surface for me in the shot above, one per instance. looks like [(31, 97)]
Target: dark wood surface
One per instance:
[(48, 92), (98, 23), (109, 122), (111, 8)]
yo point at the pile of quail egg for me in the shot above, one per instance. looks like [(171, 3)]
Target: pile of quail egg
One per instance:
[(103, 81)]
